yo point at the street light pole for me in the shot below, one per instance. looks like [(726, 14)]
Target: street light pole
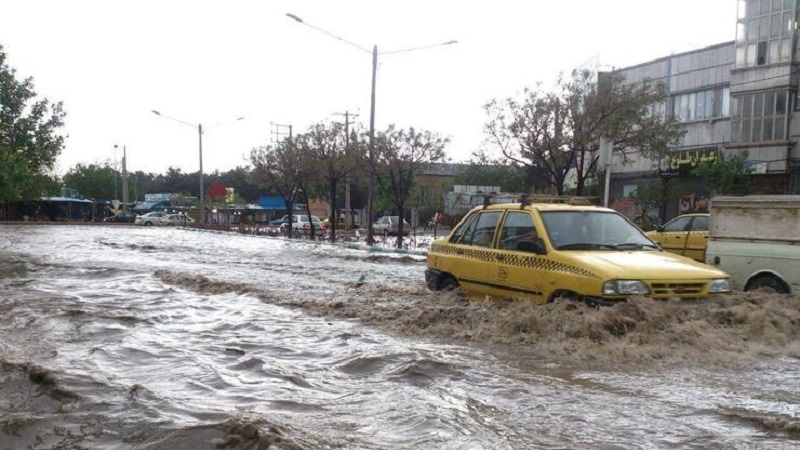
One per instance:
[(201, 187), (124, 179), (115, 172), (371, 186)]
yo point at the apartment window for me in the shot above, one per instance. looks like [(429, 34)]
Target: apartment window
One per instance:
[(759, 117), (701, 105), (764, 32)]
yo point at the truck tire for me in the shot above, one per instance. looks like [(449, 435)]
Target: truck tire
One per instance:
[(768, 283)]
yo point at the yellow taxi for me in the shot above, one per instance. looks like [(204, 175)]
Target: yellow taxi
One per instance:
[(685, 235), (545, 251)]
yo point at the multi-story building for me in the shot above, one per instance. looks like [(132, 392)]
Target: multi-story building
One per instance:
[(733, 98)]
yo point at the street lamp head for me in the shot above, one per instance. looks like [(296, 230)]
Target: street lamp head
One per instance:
[(295, 18), (240, 118), (156, 112), (450, 42)]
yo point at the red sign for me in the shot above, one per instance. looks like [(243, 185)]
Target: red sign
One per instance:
[(217, 189)]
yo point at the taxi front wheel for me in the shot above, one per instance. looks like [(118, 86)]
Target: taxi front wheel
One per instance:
[(448, 284)]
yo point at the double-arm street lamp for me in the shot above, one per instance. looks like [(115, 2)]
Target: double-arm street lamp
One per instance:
[(371, 187), (202, 189)]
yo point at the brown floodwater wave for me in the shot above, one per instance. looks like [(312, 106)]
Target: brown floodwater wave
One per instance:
[(726, 330), (39, 413)]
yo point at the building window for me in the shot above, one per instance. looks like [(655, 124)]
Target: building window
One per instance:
[(701, 105), (759, 117), (764, 32)]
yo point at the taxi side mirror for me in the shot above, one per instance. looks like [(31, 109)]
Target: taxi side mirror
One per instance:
[(535, 245)]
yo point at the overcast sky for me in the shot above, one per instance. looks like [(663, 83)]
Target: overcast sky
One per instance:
[(204, 62)]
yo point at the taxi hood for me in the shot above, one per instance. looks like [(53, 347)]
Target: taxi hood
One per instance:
[(641, 265)]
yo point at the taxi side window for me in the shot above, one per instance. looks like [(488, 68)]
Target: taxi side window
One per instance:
[(467, 227), (678, 224), (483, 232), (700, 223), (518, 226)]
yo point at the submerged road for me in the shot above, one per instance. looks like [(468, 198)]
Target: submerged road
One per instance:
[(162, 338)]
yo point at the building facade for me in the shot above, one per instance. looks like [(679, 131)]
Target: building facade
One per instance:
[(733, 98)]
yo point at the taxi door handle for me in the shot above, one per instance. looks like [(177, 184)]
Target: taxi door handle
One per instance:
[(500, 257), (459, 251)]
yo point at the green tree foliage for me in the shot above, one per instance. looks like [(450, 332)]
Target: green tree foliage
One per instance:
[(726, 176), (559, 132), (29, 139), (94, 180), (399, 157), (241, 180), (485, 170)]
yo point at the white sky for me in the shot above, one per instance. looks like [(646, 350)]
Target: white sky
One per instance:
[(209, 62)]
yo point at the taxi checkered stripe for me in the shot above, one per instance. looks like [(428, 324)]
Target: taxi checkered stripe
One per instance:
[(511, 259)]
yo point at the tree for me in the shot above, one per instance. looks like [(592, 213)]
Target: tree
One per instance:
[(284, 168), (726, 176), (399, 157), (336, 156), (240, 179), (560, 132), (29, 139), (93, 180), (485, 170)]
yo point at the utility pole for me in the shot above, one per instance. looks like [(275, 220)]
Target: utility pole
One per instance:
[(277, 130), (124, 179), (605, 161), (115, 173), (349, 219)]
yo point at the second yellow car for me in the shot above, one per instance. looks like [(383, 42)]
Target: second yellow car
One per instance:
[(685, 235)]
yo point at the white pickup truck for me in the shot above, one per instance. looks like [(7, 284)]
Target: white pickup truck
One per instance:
[(756, 239)]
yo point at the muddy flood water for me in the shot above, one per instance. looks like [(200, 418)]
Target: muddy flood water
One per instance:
[(152, 338)]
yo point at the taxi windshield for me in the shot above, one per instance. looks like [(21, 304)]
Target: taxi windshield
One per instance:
[(593, 230)]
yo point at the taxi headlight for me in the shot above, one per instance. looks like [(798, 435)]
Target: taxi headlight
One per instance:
[(719, 286), (625, 287)]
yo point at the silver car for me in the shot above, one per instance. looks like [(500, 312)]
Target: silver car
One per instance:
[(176, 219), (301, 225), (150, 219), (390, 225)]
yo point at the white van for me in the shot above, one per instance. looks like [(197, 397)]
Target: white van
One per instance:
[(756, 239)]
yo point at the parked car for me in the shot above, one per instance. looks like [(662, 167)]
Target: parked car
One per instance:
[(175, 219), (390, 225), (123, 217), (685, 235), (279, 222), (150, 219), (301, 225), (547, 251)]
